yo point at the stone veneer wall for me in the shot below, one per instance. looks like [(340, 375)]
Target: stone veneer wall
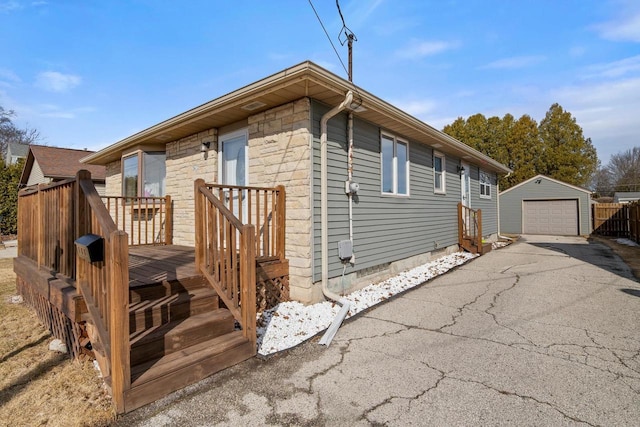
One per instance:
[(279, 154), (113, 185), (185, 164)]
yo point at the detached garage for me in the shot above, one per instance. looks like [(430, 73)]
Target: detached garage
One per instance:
[(543, 205)]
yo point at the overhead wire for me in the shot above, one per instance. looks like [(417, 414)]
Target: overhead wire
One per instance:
[(355, 88), (329, 37)]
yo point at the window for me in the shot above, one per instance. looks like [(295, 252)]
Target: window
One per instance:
[(394, 155), (485, 185), (439, 173), (151, 166)]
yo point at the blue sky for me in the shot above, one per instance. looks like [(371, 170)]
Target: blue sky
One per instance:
[(89, 73)]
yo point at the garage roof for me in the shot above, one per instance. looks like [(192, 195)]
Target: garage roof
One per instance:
[(547, 178)]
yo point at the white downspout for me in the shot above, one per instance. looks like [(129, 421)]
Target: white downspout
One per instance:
[(350, 177), (324, 223)]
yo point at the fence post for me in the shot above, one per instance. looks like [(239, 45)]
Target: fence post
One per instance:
[(119, 319), (40, 236), (168, 221), (282, 221), (248, 283), (199, 221)]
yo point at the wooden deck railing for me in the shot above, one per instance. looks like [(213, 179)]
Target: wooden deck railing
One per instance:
[(51, 218), (226, 255), (470, 226), (259, 206), (46, 227), (147, 220)]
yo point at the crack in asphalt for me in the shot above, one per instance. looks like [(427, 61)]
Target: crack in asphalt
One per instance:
[(582, 356), (460, 313), (525, 397)]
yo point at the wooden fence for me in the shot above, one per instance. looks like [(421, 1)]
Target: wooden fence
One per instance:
[(617, 220)]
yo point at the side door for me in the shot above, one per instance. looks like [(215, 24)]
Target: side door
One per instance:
[(233, 170)]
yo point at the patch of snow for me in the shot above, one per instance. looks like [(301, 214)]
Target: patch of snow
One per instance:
[(291, 323), (627, 242), (58, 345), (96, 366), (498, 245), (17, 299)]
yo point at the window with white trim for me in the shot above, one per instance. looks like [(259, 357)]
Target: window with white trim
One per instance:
[(439, 175), (485, 185), (394, 158)]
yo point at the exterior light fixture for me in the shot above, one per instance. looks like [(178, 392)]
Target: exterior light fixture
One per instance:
[(205, 146), (460, 170)]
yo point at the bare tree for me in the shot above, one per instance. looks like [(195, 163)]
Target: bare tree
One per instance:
[(624, 170), (9, 133)]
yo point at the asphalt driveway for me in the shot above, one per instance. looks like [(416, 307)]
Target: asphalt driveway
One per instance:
[(543, 332)]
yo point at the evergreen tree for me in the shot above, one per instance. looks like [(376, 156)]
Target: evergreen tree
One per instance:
[(555, 148), (9, 181), (566, 154)]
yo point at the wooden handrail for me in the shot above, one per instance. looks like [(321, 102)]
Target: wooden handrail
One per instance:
[(226, 256), (470, 226), (105, 285), (52, 217)]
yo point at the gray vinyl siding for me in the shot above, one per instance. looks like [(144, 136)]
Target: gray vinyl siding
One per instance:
[(385, 228), (489, 206), (511, 203)]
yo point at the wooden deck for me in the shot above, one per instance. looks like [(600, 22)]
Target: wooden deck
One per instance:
[(149, 265), (156, 317)]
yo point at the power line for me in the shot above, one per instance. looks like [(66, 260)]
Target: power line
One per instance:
[(328, 37)]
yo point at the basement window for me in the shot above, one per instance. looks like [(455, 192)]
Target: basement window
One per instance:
[(143, 174)]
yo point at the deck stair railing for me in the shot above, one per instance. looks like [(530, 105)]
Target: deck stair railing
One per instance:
[(225, 255), (470, 228), (51, 218)]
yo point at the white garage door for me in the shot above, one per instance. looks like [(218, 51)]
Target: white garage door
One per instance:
[(554, 217)]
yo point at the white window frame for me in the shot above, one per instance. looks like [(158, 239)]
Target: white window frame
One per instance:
[(484, 179), (443, 159), (394, 169)]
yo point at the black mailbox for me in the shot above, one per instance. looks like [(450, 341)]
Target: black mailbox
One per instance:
[(90, 247)]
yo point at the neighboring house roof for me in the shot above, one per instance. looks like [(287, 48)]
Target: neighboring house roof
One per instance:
[(15, 149), (59, 163), (303, 80), (575, 187), (626, 196)]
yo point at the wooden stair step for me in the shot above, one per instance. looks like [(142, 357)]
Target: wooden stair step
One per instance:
[(149, 313), (165, 339), (165, 288), (156, 379)]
